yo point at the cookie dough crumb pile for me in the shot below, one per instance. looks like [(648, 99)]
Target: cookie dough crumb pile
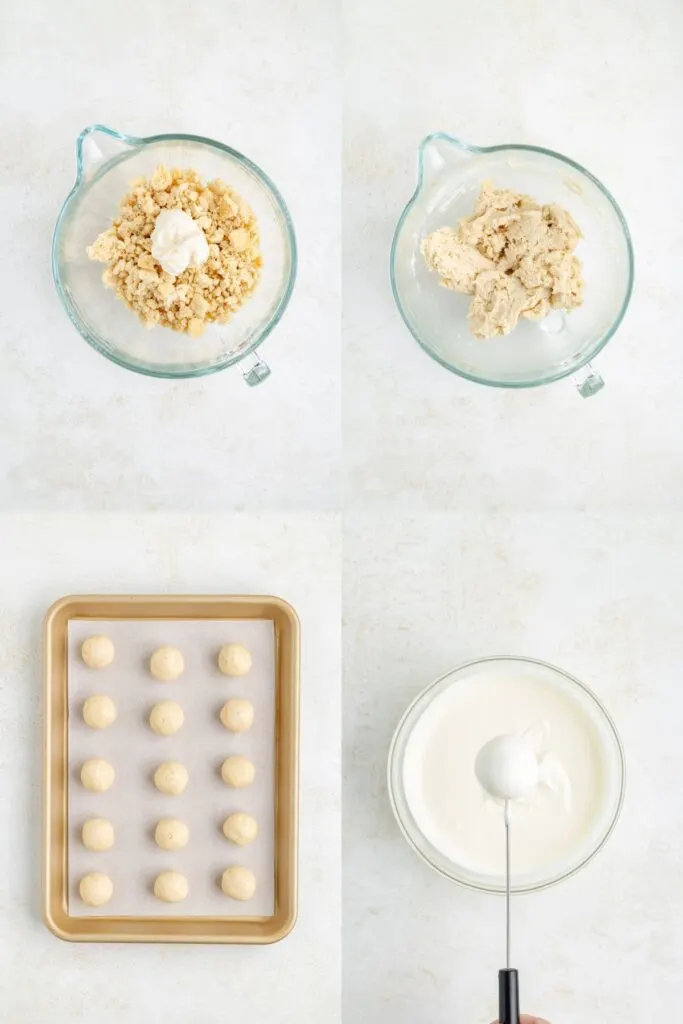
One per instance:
[(513, 256), (199, 295)]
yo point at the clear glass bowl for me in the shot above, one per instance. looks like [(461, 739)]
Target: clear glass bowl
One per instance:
[(613, 758), (450, 176), (106, 163)]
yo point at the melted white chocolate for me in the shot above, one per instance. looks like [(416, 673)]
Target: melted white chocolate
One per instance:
[(558, 815)]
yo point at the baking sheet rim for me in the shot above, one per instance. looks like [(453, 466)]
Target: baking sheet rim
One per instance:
[(210, 929)]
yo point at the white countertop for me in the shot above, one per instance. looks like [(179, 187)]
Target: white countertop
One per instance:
[(46, 981), (600, 82), (107, 479), (597, 596), (77, 432)]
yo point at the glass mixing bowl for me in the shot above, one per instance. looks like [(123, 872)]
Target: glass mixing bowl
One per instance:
[(450, 176), (612, 758), (106, 163)]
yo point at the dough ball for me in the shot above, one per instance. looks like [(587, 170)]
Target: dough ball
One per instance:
[(238, 882), (171, 834), (166, 717), (237, 715), (237, 772), (98, 834), (99, 711), (166, 664), (171, 778), (97, 651), (240, 828), (97, 775), (96, 889), (234, 660), (171, 887)]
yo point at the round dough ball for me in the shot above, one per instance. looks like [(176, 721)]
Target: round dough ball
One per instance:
[(99, 711), (97, 651), (171, 887), (97, 775), (238, 882), (240, 828), (96, 889), (234, 660), (171, 778), (98, 834), (238, 772), (166, 717), (166, 664), (171, 834), (237, 714)]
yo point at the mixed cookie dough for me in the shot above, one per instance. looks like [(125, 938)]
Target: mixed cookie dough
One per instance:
[(167, 664), (237, 772), (97, 651), (171, 778), (98, 834), (171, 887), (171, 834), (240, 828), (237, 715), (515, 258), (234, 660), (99, 711), (166, 718), (181, 253), (96, 889), (97, 775), (238, 882)]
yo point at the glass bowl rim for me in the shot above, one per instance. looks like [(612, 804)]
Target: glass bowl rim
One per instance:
[(137, 142), (609, 334), (609, 721)]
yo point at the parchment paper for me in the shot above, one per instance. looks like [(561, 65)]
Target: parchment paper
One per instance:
[(133, 804)]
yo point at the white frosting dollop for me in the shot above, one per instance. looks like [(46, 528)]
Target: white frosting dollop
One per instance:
[(178, 242)]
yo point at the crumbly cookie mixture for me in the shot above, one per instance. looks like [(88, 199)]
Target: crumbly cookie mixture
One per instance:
[(199, 295), (513, 256)]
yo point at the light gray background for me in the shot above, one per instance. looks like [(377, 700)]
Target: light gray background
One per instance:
[(599, 597), (45, 980), (600, 82), (77, 432)]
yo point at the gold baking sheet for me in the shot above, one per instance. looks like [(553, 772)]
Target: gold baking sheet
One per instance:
[(167, 925)]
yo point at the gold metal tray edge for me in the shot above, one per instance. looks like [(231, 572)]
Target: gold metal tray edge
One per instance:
[(205, 930)]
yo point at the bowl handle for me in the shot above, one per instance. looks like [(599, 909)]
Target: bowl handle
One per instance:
[(587, 381), (439, 152), (96, 145), (256, 373)]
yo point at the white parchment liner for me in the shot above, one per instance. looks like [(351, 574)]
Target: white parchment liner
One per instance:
[(133, 804)]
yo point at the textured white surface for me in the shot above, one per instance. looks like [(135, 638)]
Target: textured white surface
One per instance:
[(600, 82), (77, 432), (601, 598), (43, 979)]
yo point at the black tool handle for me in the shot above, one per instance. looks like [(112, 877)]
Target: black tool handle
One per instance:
[(508, 996)]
